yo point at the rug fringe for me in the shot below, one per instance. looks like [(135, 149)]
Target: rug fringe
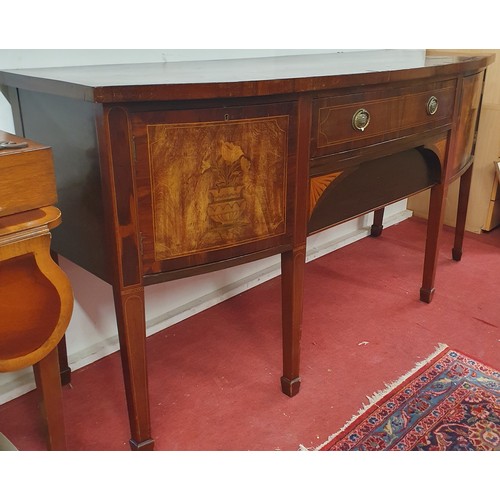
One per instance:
[(377, 396)]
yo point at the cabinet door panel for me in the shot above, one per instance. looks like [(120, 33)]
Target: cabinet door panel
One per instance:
[(218, 186)]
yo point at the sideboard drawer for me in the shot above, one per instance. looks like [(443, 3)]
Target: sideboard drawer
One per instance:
[(342, 123), (214, 184)]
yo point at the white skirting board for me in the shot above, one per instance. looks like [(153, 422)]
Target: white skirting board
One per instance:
[(92, 333)]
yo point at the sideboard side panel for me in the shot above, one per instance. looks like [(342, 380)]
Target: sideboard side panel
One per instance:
[(467, 121), (68, 127)]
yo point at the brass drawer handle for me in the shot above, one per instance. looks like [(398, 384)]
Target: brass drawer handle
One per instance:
[(432, 105), (360, 119)]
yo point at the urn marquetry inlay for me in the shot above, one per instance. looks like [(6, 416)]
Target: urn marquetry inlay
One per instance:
[(217, 184)]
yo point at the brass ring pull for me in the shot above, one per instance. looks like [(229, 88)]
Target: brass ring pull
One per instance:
[(432, 105), (360, 119)]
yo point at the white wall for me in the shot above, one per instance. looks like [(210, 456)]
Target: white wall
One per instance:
[(92, 333)]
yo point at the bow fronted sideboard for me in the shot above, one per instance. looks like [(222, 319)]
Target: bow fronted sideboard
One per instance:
[(170, 170)]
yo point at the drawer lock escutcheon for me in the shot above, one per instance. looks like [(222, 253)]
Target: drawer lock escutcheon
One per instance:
[(432, 105), (360, 119)]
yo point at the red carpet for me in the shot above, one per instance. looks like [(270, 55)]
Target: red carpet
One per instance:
[(452, 403), (214, 378)]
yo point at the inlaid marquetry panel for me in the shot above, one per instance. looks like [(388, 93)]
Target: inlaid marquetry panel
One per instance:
[(217, 184), (318, 186)]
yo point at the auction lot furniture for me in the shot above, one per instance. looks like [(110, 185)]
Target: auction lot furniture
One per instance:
[(36, 299), (175, 169)]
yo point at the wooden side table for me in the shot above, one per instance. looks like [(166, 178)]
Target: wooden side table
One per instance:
[(36, 299)]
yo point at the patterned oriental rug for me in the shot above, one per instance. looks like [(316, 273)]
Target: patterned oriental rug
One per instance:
[(450, 402)]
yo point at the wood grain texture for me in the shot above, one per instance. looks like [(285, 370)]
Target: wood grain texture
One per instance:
[(175, 139), (36, 297), (213, 184), (237, 78), (317, 186), (467, 121), (27, 178), (487, 150), (129, 304), (123, 194), (36, 303), (393, 113), (365, 187), (48, 384), (218, 184)]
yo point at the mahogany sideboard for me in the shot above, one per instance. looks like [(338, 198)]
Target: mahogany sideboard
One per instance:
[(173, 169)]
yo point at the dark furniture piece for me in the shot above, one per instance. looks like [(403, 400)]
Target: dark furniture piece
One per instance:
[(170, 170)]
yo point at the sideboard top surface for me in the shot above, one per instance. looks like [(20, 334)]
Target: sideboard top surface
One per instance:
[(237, 77)]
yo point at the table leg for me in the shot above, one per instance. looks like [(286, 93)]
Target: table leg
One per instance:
[(130, 316), (434, 226), (48, 384), (378, 217), (463, 201), (292, 282), (64, 368)]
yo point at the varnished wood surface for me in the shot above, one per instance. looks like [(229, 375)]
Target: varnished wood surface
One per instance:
[(228, 193), (467, 123), (49, 217), (393, 113), (36, 296), (148, 161), (226, 201), (236, 78), (36, 299), (364, 188), (27, 178)]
